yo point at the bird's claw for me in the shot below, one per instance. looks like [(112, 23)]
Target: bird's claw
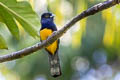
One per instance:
[(54, 32)]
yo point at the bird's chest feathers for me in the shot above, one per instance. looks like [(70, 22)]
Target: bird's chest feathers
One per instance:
[(45, 33)]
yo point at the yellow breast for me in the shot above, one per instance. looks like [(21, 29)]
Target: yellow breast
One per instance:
[(44, 34)]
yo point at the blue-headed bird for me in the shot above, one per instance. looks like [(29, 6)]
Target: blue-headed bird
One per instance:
[(47, 28)]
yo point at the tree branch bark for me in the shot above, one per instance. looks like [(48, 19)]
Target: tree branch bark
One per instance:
[(91, 11)]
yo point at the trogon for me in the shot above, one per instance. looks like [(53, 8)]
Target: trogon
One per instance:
[(47, 28)]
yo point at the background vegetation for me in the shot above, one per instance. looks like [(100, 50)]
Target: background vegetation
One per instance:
[(90, 50)]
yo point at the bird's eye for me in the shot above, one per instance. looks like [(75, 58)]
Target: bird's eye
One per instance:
[(46, 16)]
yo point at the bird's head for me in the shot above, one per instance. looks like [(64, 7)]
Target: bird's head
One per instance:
[(47, 17)]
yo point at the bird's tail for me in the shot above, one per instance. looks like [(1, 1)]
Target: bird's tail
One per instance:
[(55, 69)]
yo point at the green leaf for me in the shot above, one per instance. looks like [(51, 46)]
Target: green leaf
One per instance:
[(6, 18), (24, 14), (2, 43)]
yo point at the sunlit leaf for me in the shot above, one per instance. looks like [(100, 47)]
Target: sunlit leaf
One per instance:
[(23, 13), (6, 18), (110, 30)]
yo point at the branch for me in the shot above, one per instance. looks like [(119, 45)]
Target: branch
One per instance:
[(56, 35)]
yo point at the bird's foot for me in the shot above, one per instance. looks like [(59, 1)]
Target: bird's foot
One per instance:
[(54, 32)]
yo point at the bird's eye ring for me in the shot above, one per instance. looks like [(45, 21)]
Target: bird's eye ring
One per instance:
[(46, 16)]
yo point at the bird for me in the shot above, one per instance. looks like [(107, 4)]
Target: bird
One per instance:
[(47, 28)]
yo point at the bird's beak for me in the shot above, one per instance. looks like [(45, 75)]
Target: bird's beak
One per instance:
[(52, 15)]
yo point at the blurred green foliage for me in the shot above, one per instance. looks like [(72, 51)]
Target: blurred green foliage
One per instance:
[(88, 51), (14, 14), (3, 45)]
